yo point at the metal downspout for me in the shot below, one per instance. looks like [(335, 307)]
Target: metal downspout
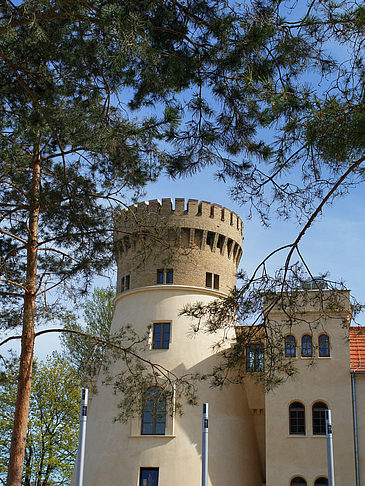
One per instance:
[(355, 429)]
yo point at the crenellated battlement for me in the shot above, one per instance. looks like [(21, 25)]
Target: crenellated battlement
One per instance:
[(199, 242), (202, 210)]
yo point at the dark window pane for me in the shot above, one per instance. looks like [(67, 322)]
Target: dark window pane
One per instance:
[(148, 476), (296, 419), (298, 481), (208, 280), (255, 357), (290, 347), (154, 412), (319, 418), (127, 282), (324, 346), (160, 276), (169, 276), (307, 346), (161, 335), (216, 282), (321, 482)]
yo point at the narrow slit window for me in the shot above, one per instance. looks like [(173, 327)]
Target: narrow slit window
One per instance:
[(216, 281), (169, 276), (160, 276)]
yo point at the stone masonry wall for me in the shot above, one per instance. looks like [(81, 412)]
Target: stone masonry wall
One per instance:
[(191, 240)]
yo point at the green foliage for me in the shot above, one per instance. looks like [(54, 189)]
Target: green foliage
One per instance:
[(52, 438), (84, 351)]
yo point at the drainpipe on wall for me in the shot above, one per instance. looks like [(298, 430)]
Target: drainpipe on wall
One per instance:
[(355, 426)]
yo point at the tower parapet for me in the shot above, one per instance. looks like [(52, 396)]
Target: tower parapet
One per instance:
[(196, 244)]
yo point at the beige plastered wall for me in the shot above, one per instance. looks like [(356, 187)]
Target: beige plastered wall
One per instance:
[(360, 405), (115, 451), (319, 379)]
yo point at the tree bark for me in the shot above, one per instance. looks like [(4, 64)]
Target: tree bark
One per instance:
[(18, 440)]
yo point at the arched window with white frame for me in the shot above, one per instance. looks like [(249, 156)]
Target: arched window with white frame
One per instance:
[(154, 412), (307, 346), (298, 481), (290, 346), (296, 419), (323, 346), (322, 481), (319, 418)]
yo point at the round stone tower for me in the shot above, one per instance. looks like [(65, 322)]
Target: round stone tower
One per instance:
[(169, 257), (192, 241)]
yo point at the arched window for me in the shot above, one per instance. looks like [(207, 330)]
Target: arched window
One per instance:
[(154, 412), (319, 418), (290, 347), (323, 346), (298, 481), (321, 482), (296, 419), (307, 348)]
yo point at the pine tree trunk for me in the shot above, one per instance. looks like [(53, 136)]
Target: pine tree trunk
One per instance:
[(18, 440)]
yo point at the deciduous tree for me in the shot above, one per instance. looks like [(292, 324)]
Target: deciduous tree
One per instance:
[(52, 436)]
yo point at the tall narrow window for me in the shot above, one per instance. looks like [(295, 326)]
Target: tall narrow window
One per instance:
[(323, 346), (208, 280), (216, 282), (161, 335), (321, 482), (148, 476), (307, 347), (255, 357), (298, 482), (125, 283), (319, 418), (290, 347), (160, 275), (169, 276), (154, 412), (296, 419)]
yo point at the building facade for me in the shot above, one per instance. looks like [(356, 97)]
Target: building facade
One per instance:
[(170, 256)]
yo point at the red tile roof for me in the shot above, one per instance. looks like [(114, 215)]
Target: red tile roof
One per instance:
[(357, 348)]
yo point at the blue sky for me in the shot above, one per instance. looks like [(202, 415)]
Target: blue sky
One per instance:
[(334, 243)]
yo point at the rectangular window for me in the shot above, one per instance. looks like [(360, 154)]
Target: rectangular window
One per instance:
[(208, 280), (160, 276), (216, 282), (169, 276), (161, 335), (148, 476), (125, 283), (165, 276), (255, 357)]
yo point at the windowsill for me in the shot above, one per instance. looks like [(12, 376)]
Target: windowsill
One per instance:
[(294, 436), (159, 436), (324, 357)]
